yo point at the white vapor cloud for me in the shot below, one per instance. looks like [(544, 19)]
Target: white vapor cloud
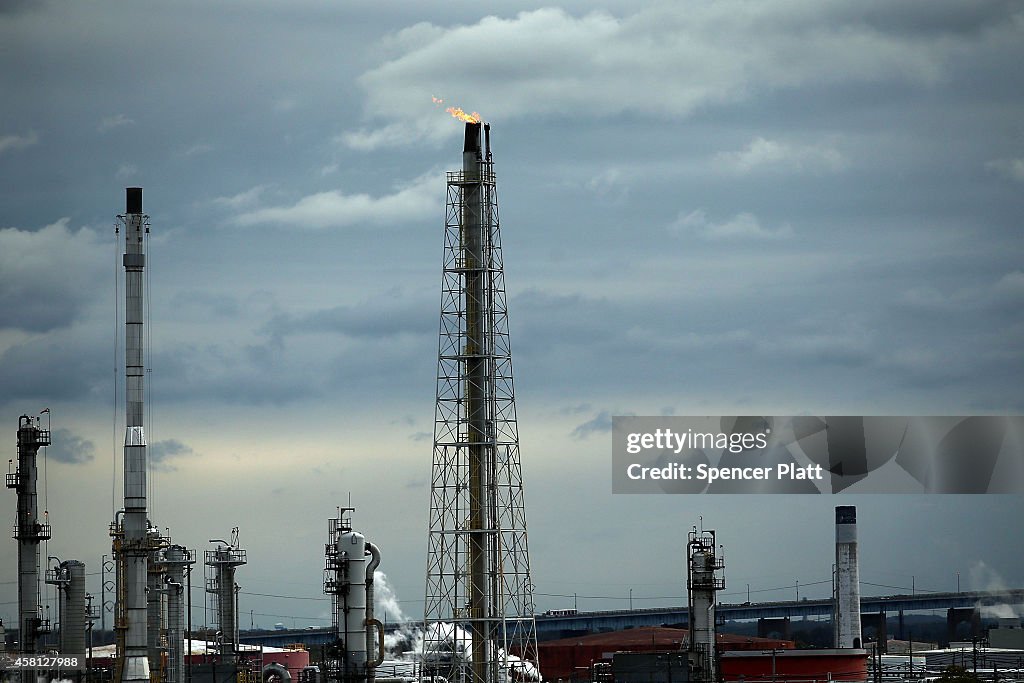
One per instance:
[(12, 142), (196, 150), (337, 209), (111, 122), (1012, 169)]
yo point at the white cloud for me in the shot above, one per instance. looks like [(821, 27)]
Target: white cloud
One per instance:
[(127, 170), (11, 142), (243, 200), (285, 105), (197, 149), (739, 227), (336, 209), (1011, 284), (111, 122), (434, 129), (665, 61), (612, 185), (1008, 168), (1007, 290), (763, 154), (53, 265)]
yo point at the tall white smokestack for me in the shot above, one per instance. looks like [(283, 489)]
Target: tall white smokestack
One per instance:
[(847, 597)]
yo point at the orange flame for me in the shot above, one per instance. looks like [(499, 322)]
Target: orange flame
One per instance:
[(458, 112), (463, 116)]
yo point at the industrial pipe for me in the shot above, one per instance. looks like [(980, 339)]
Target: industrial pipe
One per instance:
[(372, 664), (371, 622), (276, 672)]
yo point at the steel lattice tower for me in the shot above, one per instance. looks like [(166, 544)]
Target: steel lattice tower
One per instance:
[(479, 596)]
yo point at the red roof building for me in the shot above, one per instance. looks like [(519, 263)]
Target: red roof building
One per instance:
[(743, 658)]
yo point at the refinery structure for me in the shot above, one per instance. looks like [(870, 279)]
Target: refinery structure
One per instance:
[(479, 623), (478, 565)]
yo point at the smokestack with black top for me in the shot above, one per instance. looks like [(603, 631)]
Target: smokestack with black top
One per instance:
[(133, 200), (847, 597), (475, 235), (472, 144), (133, 544)]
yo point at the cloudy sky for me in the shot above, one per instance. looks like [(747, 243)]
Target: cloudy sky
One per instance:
[(711, 207)]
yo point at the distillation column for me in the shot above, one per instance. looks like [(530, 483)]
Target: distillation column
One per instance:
[(155, 592), (69, 578), (702, 584), (133, 533), (29, 532), (222, 563), (348, 578), (847, 597), (177, 560)]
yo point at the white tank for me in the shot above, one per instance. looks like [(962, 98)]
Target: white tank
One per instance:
[(352, 606)]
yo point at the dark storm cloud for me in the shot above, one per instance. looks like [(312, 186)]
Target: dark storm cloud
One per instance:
[(599, 424), (16, 7), (68, 447), (55, 368), (372, 319), (304, 356), (801, 326), (163, 454), (218, 305), (252, 375), (954, 17)]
